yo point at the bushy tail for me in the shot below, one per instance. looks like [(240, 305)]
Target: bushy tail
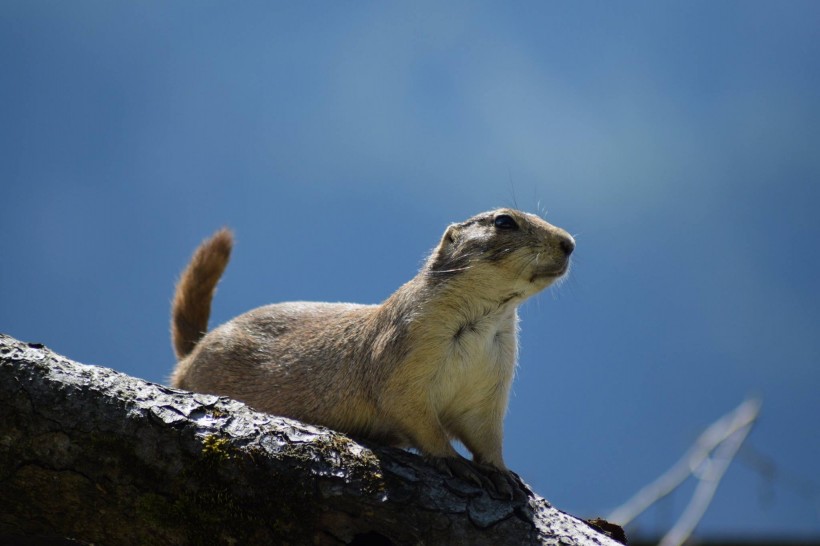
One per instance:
[(195, 289)]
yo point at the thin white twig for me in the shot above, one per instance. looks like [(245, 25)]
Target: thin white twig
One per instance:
[(741, 417), (709, 478)]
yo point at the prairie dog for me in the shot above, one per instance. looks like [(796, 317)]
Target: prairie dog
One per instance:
[(432, 363)]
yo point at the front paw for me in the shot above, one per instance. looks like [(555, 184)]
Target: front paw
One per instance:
[(499, 483), (504, 483), (459, 467), (513, 486)]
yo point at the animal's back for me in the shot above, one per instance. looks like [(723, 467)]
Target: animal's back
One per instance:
[(297, 359)]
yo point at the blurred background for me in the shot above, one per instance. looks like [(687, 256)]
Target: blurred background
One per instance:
[(679, 143)]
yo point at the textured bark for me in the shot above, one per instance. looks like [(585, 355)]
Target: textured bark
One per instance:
[(100, 457)]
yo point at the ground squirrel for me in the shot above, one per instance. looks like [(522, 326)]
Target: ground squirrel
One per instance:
[(432, 363)]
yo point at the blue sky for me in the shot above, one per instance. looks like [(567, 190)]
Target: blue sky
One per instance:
[(678, 142)]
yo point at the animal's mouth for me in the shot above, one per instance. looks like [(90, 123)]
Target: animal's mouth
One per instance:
[(550, 272)]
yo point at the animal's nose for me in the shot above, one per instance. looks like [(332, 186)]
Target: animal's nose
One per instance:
[(567, 244)]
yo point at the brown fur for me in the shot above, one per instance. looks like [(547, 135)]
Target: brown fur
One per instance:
[(432, 363), (195, 290)]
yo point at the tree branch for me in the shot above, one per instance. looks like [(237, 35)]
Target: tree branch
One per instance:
[(722, 438), (100, 457)]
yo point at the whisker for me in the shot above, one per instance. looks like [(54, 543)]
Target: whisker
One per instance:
[(512, 187), (454, 270), (529, 260)]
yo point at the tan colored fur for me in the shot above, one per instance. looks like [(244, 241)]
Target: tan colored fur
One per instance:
[(432, 363)]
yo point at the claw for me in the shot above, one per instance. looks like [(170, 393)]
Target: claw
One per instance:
[(458, 467), (499, 483), (502, 484)]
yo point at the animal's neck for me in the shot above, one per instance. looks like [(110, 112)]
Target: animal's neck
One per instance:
[(457, 303)]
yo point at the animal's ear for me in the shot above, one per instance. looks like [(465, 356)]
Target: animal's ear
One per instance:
[(445, 246), (450, 236)]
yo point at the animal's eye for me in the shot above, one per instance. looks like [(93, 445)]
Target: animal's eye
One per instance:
[(505, 221)]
